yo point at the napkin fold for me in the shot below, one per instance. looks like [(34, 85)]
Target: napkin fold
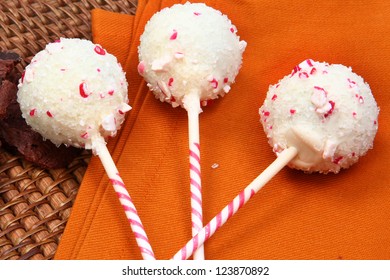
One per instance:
[(296, 215)]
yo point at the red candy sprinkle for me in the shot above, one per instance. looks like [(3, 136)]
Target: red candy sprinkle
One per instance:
[(32, 112), (332, 103), (24, 73), (321, 89), (274, 97), (214, 83), (337, 160), (266, 113), (197, 13), (351, 83), (303, 75), (170, 82), (313, 71), (309, 62), (83, 90), (295, 70), (99, 50), (174, 35), (292, 111), (111, 92), (225, 80), (84, 135), (49, 114), (232, 29)]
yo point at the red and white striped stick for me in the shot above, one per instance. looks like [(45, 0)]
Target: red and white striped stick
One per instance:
[(125, 200), (192, 105), (240, 200)]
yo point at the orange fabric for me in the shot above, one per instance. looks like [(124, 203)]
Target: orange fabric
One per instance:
[(296, 216)]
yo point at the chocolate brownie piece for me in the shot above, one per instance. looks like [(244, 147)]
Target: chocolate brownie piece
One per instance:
[(15, 134)]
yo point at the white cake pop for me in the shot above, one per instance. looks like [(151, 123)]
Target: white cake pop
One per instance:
[(325, 111), (190, 54), (189, 49), (75, 93), (320, 118), (72, 92)]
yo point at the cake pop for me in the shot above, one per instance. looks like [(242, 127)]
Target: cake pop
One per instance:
[(326, 111), (320, 118), (190, 54), (75, 93)]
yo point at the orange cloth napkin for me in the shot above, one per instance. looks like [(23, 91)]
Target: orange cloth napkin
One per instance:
[(295, 216)]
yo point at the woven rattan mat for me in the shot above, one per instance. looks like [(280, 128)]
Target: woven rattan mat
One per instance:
[(35, 203)]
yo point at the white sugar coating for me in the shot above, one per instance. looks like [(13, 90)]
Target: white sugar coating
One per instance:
[(326, 111), (74, 93), (189, 49)]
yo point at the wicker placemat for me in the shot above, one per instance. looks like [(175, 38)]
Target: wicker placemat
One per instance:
[(35, 203)]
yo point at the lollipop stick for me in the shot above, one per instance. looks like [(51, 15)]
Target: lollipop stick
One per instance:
[(192, 105), (126, 201), (221, 218)]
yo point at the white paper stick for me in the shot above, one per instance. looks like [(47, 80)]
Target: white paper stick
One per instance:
[(192, 105), (125, 200)]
